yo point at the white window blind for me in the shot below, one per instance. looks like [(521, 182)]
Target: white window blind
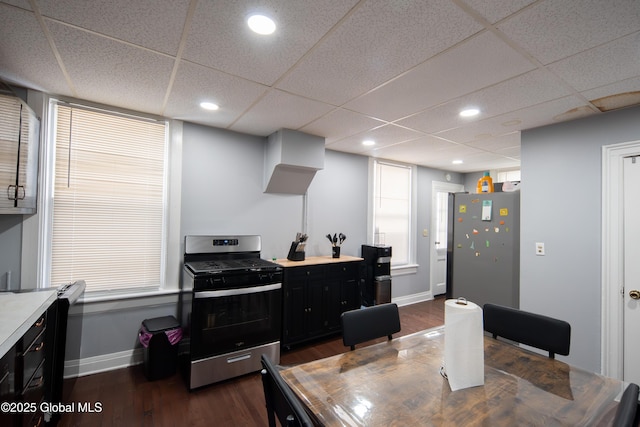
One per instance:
[(108, 200), (392, 209)]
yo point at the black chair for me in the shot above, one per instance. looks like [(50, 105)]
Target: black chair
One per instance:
[(626, 412), (369, 323), (280, 399), (545, 333)]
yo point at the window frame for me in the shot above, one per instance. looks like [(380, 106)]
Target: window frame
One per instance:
[(410, 267), (170, 262)]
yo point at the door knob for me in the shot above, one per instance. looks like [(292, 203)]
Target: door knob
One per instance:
[(634, 294)]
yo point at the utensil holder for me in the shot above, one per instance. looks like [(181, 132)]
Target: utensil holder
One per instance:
[(335, 252)]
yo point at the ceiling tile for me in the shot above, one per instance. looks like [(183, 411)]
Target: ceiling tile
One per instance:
[(339, 124), (472, 65), (600, 66), (570, 107), (526, 90), (554, 29), (495, 10), (360, 54), (154, 24), (24, 4), (621, 94), (423, 150), (277, 110), (25, 55), (129, 77), (195, 83), (383, 136), (219, 37)]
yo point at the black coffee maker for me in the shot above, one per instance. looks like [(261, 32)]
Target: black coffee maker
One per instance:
[(376, 282)]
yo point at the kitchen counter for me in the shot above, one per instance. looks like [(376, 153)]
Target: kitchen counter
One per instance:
[(18, 312), (317, 260)]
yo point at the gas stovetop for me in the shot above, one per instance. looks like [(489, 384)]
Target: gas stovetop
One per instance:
[(232, 265)]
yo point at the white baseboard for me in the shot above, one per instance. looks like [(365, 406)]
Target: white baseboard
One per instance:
[(413, 298), (102, 363)]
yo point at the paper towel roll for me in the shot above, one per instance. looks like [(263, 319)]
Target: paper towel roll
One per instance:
[(463, 344)]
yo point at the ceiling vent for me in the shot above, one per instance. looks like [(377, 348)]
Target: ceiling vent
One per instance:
[(292, 159)]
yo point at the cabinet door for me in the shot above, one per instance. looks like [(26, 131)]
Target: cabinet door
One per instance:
[(349, 295), (28, 160), (332, 304), (9, 133), (295, 311), (315, 307)]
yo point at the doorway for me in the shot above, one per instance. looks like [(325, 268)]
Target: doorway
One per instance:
[(439, 223), (616, 302)]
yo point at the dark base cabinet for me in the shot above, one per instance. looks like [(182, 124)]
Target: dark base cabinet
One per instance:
[(314, 297)]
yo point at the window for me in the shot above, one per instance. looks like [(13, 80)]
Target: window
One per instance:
[(392, 210), (505, 176), (107, 199)]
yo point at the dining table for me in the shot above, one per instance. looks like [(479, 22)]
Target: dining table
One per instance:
[(400, 382)]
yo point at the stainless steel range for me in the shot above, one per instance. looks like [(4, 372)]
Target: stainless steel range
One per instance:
[(235, 309)]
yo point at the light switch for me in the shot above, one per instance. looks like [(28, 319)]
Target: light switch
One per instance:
[(425, 233), (540, 248)]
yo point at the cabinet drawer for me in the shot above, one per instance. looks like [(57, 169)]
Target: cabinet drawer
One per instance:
[(32, 359), (34, 389), (310, 272), (35, 330), (346, 270)]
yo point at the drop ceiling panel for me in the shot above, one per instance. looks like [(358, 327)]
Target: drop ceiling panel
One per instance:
[(278, 109), (154, 24), (25, 55), (444, 77), (495, 10), (615, 93), (129, 77), (360, 54), (195, 83), (554, 29), (422, 150), (219, 37), (603, 65), (339, 124), (529, 89), (521, 119), (383, 136), (497, 143)]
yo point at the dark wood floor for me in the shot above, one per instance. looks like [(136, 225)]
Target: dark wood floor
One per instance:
[(128, 399)]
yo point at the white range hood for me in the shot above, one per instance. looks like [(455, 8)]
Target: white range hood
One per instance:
[(292, 159)]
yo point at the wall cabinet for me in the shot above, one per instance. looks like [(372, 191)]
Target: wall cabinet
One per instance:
[(19, 145), (314, 298)]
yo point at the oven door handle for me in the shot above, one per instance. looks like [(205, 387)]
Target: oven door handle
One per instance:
[(239, 291)]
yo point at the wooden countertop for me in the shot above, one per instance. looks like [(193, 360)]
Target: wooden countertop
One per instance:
[(18, 312), (317, 260)]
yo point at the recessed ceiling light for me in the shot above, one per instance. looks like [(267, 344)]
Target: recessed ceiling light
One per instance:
[(261, 24), (209, 106), (469, 112), (457, 162), (368, 142)]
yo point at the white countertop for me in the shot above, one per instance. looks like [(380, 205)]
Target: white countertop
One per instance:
[(18, 312)]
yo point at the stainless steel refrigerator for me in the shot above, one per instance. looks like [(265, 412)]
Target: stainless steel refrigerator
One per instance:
[(483, 248)]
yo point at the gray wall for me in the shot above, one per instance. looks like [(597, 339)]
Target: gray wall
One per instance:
[(10, 249), (561, 206)]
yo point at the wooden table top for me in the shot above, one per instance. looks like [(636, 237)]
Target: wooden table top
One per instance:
[(399, 383)]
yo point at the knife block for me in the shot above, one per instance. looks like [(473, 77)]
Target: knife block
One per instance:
[(295, 255)]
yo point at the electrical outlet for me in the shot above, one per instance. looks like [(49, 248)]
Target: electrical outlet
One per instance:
[(540, 248)]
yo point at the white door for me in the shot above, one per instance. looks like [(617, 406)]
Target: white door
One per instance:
[(439, 216), (631, 200)]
